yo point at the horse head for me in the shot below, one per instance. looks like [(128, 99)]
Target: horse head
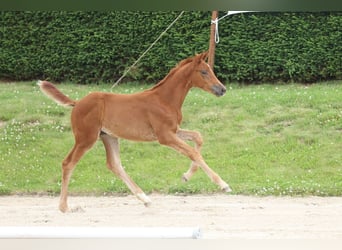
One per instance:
[(203, 76)]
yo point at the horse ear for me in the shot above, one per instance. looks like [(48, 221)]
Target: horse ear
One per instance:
[(205, 55), (202, 56)]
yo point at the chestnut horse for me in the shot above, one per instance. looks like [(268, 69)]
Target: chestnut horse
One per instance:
[(152, 115)]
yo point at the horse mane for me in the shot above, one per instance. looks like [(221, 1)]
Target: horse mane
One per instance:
[(173, 71)]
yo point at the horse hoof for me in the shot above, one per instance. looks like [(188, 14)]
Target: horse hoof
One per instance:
[(63, 209), (147, 204), (184, 178), (227, 189)]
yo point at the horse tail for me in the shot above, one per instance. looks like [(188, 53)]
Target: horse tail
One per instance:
[(51, 91)]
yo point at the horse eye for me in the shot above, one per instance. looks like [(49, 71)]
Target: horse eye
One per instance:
[(204, 72)]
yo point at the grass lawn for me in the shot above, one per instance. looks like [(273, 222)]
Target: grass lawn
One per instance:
[(262, 140)]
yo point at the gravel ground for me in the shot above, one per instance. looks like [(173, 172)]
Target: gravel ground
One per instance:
[(219, 216)]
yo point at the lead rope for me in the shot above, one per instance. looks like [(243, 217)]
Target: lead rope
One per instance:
[(142, 55), (216, 22), (217, 38)]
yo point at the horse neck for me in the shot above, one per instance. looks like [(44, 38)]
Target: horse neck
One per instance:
[(174, 88)]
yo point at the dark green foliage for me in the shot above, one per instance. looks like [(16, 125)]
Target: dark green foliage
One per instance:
[(88, 47), (300, 47)]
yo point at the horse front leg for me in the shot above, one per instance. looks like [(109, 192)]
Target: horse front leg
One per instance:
[(173, 141), (187, 135)]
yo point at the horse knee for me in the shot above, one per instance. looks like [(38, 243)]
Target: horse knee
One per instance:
[(198, 139)]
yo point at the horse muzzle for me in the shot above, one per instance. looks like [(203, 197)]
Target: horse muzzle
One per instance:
[(218, 90)]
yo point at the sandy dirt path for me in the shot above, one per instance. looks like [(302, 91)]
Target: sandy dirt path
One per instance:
[(218, 216)]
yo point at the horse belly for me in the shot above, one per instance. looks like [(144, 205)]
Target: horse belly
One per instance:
[(126, 116), (130, 132), (130, 128)]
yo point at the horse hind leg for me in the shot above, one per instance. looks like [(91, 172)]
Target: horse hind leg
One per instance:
[(68, 165), (193, 169), (114, 164)]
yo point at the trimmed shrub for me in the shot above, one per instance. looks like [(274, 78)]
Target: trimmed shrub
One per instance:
[(90, 47)]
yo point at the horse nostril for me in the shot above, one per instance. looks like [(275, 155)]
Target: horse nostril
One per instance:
[(218, 90)]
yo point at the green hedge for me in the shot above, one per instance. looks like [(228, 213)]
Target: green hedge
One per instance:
[(300, 47), (87, 47)]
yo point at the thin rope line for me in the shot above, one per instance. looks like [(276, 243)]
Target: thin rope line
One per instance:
[(225, 16), (217, 37), (142, 55), (216, 22)]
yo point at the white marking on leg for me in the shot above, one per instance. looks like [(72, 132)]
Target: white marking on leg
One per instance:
[(144, 198)]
